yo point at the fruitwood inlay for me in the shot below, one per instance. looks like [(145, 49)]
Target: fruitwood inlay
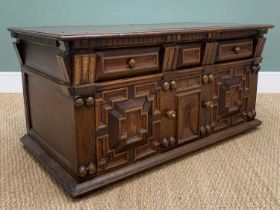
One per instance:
[(170, 56), (84, 69), (210, 53), (259, 47)]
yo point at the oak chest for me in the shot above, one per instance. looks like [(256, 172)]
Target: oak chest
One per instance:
[(105, 102)]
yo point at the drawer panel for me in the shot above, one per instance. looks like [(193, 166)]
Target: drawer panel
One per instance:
[(236, 49), (188, 82), (127, 125), (127, 62), (189, 55)]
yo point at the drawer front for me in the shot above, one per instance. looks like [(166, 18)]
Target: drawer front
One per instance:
[(189, 55), (128, 62), (232, 50)]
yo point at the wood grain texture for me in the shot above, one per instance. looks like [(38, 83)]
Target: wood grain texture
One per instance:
[(210, 53), (259, 46), (236, 49), (189, 55), (76, 32), (77, 70), (92, 69), (85, 69), (118, 63), (85, 140), (77, 189), (168, 60)]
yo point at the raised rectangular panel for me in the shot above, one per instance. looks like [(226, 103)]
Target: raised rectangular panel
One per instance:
[(188, 110), (127, 125), (189, 55)]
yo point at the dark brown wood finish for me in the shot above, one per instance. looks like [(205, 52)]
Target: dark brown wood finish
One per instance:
[(105, 102)]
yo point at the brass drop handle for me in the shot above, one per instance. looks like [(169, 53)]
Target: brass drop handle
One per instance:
[(171, 114), (209, 104), (237, 50), (131, 63)]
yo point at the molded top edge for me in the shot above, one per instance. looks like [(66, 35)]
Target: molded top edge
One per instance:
[(98, 31)]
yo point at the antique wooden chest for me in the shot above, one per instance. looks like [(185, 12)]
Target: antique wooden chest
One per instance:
[(105, 102)]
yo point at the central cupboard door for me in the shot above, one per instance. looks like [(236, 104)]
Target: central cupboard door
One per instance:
[(180, 107), (127, 124)]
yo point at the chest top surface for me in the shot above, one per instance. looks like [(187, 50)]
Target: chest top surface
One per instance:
[(98, 31)]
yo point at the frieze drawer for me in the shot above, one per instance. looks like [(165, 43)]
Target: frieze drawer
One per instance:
[(236, 49), (189, 55), (124, 63)]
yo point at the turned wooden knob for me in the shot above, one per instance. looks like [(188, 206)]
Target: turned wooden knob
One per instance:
[(79, 102), (254, 69), (211, 78), (250, 115), (82, 171), (165, 86), (205, 79), (171, 114), (238, 104), (132, 63), (89, 101), (237, 50), (244, 114), (202, 131), (254, 113), (173, 85), (91, 168), (165, 142), (172, 140), (208, 129), (209, 104)]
